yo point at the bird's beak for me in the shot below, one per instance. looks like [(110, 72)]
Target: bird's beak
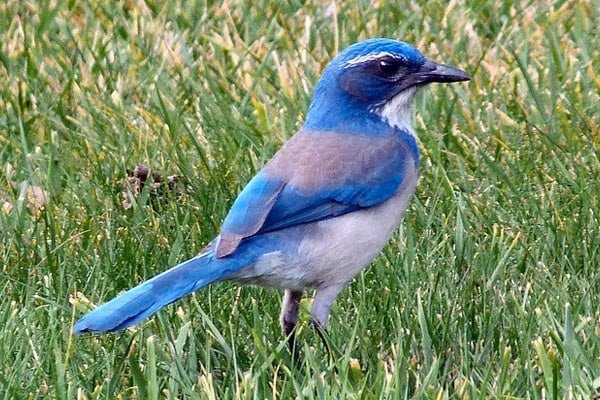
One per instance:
[(431, 71)]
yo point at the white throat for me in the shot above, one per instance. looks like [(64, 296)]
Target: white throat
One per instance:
[(396, 112)]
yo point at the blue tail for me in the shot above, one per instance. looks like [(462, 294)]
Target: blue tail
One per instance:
[(144, 300)]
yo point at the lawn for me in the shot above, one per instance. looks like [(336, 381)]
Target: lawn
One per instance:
[(490, 289)]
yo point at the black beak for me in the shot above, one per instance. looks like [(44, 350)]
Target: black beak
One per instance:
[(430, 72), (433, 72)]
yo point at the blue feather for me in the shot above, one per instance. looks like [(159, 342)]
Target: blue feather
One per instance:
[(371, 174), (250, 209), (146, 299)]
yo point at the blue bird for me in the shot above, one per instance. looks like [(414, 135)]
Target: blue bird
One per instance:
[(324, 206)]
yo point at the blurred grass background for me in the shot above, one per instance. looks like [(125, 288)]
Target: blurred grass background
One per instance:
[(491, 289)]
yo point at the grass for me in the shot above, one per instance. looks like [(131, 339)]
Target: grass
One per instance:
[(489, 290)]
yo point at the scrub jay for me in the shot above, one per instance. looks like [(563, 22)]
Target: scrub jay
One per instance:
[(324, 206)]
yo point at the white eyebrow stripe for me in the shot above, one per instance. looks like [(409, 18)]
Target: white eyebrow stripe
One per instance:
[(368, 57)]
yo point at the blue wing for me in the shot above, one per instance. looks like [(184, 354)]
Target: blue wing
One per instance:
[(316, 176)]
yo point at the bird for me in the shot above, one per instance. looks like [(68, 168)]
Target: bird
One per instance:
[(324, 206)]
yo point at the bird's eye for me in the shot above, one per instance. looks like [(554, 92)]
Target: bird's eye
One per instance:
[(388, 66)]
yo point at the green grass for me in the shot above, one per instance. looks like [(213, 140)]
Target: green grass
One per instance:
[(491, 288)]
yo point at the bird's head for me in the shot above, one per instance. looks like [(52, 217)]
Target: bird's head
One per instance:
[(374, 78)]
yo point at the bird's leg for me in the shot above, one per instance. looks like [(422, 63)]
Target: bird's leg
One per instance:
[(319, 312), (289, 318), (322, 332)]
